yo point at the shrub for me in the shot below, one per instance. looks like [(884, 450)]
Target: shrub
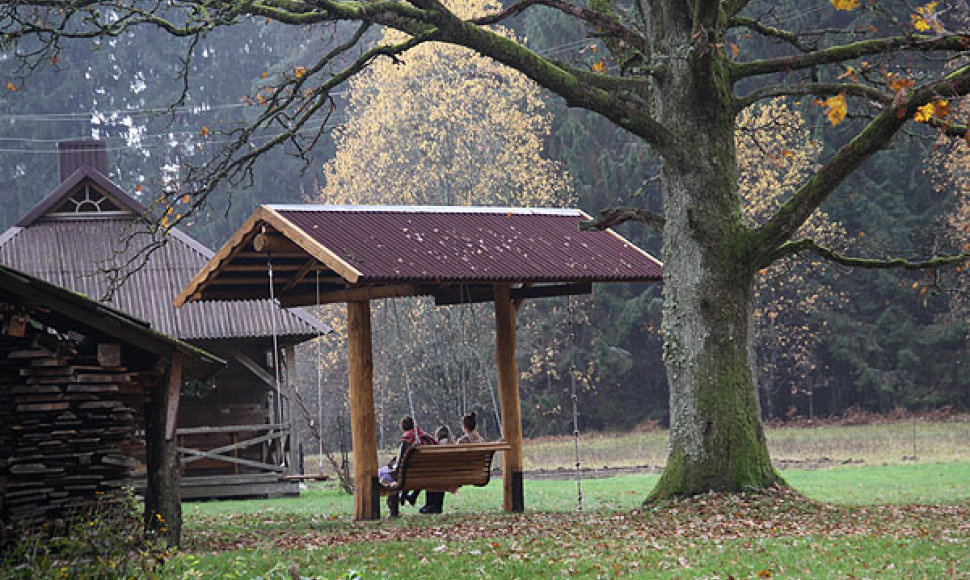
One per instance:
[(104, 540)]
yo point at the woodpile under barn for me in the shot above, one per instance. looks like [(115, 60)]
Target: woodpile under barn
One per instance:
[(77, 385)]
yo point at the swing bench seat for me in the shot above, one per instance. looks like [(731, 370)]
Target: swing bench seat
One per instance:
[(445, 467)]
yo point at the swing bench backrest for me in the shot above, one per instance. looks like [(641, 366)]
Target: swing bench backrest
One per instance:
[(447, 467)]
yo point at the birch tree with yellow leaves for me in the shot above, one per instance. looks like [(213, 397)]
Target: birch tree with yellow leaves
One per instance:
[(441, 125)]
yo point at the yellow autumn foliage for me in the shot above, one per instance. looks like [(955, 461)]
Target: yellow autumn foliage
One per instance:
[(845, 4), (447, 126), (776, 154), (949, 170), (836, 108)]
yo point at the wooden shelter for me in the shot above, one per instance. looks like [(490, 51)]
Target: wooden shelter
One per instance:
[(236, 431), (353, 254), (87, 393)]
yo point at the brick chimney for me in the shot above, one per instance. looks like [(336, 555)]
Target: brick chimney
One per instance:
[(74, 154)]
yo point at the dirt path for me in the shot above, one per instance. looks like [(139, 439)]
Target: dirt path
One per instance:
[(564, 473)]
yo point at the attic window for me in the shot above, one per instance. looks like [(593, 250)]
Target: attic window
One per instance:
[(87, 199)]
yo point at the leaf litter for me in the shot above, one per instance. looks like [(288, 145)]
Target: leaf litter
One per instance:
[(676, 524)]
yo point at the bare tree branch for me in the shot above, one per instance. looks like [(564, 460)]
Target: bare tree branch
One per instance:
[(615, 216), (809, 245), (816, 89), (848, 52), (876, 135), (609, 25), (733, 7), (771, 32)]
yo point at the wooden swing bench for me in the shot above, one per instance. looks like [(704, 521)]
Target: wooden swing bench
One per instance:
[(445, 467)]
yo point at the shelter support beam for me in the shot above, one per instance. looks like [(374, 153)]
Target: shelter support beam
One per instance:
[(508, 394), (363, 419), (289, 384), (163, 499)]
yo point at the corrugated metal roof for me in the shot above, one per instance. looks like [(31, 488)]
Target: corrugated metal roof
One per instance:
[(472, 245), (328, 254), (35, 291), (71, 253)]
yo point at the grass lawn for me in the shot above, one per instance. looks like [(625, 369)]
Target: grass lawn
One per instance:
[(902, 520)]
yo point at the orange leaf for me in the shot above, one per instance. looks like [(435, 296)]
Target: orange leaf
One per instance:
[(11, 87), (787, 153), (300, 71), (942, 108), (734, 50), (205, 131), (899, 83), (264, 75), (186, 198), (599, 67), (138, 187)]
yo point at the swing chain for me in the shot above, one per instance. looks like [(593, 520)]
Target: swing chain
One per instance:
[(575, 401)]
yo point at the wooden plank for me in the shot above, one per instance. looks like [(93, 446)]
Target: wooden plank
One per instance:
[(299, 276), (109, 355), (228, 429), (235, 460), (312, 247), (360, 294), (194, 289), (253, 367), (232, 447), (305, 476), (34, 407), (234, 489)]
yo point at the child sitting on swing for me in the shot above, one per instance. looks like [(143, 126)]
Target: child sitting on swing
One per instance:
[(411, 435)]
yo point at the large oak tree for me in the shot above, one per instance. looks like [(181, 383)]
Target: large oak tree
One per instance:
[(672, 72)]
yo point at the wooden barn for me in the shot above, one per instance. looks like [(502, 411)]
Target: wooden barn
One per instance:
[(236, 432), (87, 394)]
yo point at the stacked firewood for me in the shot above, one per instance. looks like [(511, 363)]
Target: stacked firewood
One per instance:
[(68, 428)]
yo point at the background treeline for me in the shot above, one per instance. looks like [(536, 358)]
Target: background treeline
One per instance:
[(869, 339)]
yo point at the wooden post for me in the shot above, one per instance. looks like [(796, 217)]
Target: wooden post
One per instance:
[(508, 396), (363, 421), (289, 391), (163, 498)]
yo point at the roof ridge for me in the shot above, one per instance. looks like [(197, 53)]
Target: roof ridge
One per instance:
[(449, 209)]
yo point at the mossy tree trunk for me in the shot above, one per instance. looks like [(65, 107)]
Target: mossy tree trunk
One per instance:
[(716, 438)]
